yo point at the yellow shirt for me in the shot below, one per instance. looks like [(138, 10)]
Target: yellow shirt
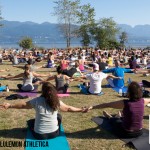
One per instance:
[(110, 61)]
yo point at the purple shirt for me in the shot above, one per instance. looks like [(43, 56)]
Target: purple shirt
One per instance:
[(133, 112)]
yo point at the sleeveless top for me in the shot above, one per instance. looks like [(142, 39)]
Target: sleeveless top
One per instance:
[(81, 67), (27, 83), (133, 114), (49, 64), (59, 82), (64, 66)]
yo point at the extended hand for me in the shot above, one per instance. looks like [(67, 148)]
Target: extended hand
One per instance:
[(5, 106), (85, 109)]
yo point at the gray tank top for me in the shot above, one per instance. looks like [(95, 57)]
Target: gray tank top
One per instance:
[(27, 83), (59, 82)]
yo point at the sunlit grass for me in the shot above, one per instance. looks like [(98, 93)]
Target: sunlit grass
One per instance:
[(81, 132)]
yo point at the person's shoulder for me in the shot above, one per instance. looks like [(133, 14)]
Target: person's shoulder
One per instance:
[(102, 73), (37, 98)]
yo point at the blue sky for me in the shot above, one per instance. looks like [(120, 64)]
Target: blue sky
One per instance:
[(130, 12)]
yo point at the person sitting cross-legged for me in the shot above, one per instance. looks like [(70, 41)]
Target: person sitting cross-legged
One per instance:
[(130, 123), (46, 124), (96, 78), (118, 72)]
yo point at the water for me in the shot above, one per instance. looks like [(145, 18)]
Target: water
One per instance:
[(44, 45), (64, 45)]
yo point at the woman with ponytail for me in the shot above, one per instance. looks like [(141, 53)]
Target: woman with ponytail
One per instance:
[(47, 122), (28, 76)]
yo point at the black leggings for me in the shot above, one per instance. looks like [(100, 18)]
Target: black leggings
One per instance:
[(121, 132), (38, 136), (20, 86)]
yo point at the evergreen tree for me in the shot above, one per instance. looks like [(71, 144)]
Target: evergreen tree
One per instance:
[(26, 43)]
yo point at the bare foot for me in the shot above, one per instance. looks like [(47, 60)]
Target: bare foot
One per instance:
[(119, 115), (107, 115)]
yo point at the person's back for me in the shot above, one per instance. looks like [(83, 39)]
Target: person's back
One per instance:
[(15, 60), (133, 114), (64, 64), (110, 61), (81, 64), (59, 79), (72, 60), (95, 81), (27, 83), (118, 72), (46, 118)]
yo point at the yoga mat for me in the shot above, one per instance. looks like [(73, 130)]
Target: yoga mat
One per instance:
[(58, 143), (124, 89), (64, 95), (140, 143), (29, 94), (85, 91), (2, 88), (84, 71)]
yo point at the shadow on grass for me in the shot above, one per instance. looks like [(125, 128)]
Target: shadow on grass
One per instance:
[(18, 91), (146, 117), (93, 133), (16, 133), (79, 93)]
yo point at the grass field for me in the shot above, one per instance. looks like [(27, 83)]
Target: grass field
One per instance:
[(81, 132)]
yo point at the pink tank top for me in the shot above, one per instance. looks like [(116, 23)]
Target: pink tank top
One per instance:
[(64, 66), (81, 67)]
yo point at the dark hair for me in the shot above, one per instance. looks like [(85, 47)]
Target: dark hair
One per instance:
[(27, 70), (76, 64), (109, 55), (134, 91), (50, 94), (59, 70)]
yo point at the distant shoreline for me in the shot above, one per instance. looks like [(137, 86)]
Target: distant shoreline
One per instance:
[(63, 45)]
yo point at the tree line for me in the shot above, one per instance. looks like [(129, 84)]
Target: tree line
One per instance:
[(77, 20)]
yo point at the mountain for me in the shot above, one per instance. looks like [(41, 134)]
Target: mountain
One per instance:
[(13, 31), (142, 31), (46, 32)]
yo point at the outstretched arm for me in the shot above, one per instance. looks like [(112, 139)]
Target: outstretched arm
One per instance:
[(19, 105), (13, 77), (67, 108), (40, 75), (146, 101), (141, 71), (114, 77), (116, 104)]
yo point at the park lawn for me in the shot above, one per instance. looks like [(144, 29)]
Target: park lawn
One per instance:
[(81, 132)]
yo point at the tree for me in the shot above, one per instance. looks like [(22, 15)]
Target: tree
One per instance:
[(86, 20), (26, 43), (105, 31), (66, 12), (123, 38), (1, 17)]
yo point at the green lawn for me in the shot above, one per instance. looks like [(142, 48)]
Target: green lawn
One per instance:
[(81, 132)]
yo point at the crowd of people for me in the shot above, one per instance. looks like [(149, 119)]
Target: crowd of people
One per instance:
[(79, 64)]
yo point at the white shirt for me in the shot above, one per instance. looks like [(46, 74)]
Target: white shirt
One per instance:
[(96, 81), (72, 61)]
